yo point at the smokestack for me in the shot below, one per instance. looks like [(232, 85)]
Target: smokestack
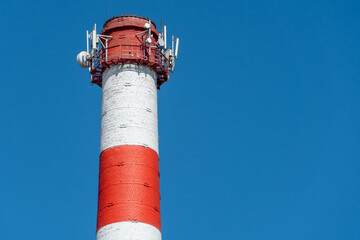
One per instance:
[(129, 61)]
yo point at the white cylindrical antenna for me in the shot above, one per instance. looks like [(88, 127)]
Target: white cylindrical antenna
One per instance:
[(162, 28), (87, 41), (177, 47), (165, 37), (94, 38)]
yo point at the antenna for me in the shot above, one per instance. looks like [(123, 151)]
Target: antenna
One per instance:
[(162, 27), (87, 41), (165, 37), (149, 38), (177, 47), (94, 38), (86, 59)]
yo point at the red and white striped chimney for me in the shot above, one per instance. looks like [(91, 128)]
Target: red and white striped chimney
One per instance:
[(129, 193), (131, 65)]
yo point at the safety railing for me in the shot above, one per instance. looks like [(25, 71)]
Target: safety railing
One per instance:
[(152, 57)]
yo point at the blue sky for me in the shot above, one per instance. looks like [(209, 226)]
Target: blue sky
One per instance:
[(259, 124)]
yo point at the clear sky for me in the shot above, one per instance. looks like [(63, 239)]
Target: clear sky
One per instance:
[(259, 125)]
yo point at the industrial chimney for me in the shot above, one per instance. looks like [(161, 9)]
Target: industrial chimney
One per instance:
[(129, 60)]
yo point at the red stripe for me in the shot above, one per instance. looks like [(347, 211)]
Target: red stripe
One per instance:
[(129, 186)]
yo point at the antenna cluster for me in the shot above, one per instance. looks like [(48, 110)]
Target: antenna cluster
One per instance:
[(146, 46), (171, 53), (92, 54)]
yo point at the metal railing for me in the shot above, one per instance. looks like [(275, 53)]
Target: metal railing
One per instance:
[(130, 53)]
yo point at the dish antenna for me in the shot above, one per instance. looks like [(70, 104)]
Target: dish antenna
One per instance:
[(83, 59)]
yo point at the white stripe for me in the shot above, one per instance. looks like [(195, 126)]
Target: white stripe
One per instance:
[(129, 107), (128, 231)]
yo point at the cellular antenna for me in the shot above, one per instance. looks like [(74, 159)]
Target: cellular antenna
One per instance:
[(177, 47), (165, 37), (162, 27)]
